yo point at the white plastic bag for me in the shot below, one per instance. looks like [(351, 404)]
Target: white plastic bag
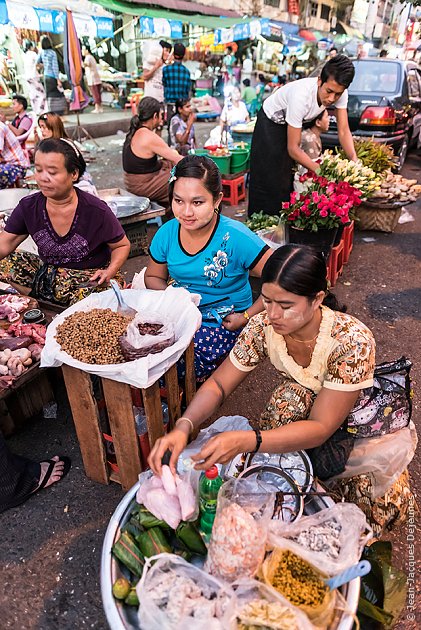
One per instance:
[(137, 340), (170, 589), (342, 529), (224, 423), (384, 458), (247, 591), (176, 304), (238, 540)]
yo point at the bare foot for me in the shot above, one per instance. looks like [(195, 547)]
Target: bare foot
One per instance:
[(55, 475)]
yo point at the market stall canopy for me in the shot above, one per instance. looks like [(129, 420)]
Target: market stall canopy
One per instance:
[(22, 15), (308, 35), (206, 19), (346, 29)]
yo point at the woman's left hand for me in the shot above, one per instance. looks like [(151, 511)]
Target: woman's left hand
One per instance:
[(223, 447), (102, 276), (234, 321)]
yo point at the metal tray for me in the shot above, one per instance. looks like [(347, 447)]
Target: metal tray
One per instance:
[(122, 617), (123, 203), (289, 504)]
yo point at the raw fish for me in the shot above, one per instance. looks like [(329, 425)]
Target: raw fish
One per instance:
[(186, 497), (168, 481)]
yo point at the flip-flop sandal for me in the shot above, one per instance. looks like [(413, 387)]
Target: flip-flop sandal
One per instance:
[(51, 464), (18, 501)]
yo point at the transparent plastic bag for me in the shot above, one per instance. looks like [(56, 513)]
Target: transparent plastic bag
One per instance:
[(239, 533), (331, 540), (384, 458), (175, 595), (135, 344), (322, 611), (249, 591)]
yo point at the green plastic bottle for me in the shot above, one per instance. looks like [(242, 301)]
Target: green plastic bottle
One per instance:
[(209, 485)]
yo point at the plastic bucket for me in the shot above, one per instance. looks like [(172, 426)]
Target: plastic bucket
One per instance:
[(240, 160), (199, 152), (223, 162), (242, 136), (203, 92)]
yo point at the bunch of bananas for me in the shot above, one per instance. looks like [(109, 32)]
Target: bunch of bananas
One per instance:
[(377, 156)]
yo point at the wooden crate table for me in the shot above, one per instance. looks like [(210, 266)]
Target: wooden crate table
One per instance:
[(119, 405)]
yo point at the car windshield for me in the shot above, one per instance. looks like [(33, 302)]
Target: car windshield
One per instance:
[(375, 76)]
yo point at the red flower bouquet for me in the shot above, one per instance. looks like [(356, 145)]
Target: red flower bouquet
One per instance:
[(321, 205)]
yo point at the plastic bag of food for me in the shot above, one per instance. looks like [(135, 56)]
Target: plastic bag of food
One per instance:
[(302, 584), (259, 605), (181, 505), (175, 594), (238, 540), (175, 303), (147, 333), (331, 540)]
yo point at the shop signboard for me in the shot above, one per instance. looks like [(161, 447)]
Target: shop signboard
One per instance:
[(160, 27), (247, 30), (33, 18)]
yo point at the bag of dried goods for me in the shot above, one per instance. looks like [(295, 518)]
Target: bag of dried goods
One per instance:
[(302, 584), (175, 595), (238, 541), (176, 304), (260, 606), (331, 540), (147, 333)]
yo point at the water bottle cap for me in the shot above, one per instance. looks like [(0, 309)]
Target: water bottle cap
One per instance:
[(212, 472)]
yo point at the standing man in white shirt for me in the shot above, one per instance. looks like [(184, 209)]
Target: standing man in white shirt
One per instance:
[(152, 70), (35, 87), (276, 142)]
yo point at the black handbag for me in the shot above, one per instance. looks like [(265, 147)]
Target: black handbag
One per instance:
[(386, 407)]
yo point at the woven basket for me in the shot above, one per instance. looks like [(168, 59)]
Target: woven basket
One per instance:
[(370, 217)]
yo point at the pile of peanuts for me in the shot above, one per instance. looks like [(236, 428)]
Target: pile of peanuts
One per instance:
[(92, 336), (298, 581)]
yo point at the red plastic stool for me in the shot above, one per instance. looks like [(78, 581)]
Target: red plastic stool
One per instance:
[(336, 263), (348, 240), (234, 190)]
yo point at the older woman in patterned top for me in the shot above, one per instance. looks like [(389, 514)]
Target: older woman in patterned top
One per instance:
[(324, 359)]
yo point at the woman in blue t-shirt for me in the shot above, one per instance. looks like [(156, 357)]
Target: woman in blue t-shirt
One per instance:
[(208, 254)]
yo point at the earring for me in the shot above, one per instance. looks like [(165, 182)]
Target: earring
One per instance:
[(216, 210)]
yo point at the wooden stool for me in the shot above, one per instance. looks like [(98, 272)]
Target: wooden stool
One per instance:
[(234, 190), (119, 407), (348, 239), (336, 262)]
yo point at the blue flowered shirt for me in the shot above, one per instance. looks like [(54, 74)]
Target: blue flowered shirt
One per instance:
[(219, 272)]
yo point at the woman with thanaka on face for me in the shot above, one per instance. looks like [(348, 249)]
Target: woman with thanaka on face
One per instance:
[(80, 242), (209, 254), (144, 174), (324, 359)]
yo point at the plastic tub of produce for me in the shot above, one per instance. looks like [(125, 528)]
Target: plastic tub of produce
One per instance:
[(122, 617)]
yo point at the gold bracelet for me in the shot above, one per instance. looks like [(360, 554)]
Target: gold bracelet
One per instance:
[(187, 420), (246, 315)]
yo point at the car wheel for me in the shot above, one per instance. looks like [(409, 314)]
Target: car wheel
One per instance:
[(402, 153)]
